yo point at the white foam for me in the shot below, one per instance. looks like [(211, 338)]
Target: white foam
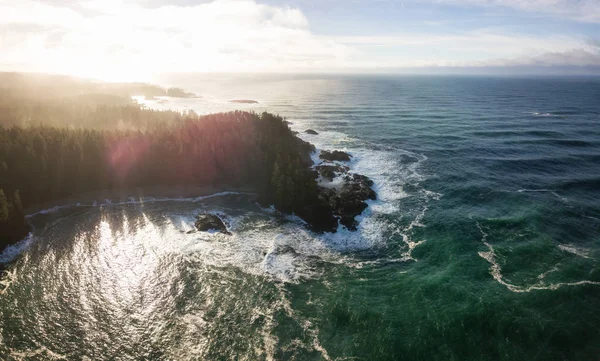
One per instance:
[(496, 271), (132, 200), (579, 251), (12, 251), (390, 176), (382, 166), (563, 199)]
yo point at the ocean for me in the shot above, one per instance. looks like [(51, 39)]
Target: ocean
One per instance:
[(484, 243)]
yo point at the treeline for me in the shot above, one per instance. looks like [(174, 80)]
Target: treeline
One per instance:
[(53, 100), (12, 219), (44, 163), (46, 86), (87, 111)]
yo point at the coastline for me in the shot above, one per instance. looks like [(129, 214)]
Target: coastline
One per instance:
[(124, 195), (106, 197)]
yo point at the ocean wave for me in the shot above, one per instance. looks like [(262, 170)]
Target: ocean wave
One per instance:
[(132, 200), (12, 251), (396, 174), (541, 114), (496, 271), (579, 251), (553, 192)]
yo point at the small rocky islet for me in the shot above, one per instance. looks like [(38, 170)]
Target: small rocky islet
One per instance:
[(208, 222), (335, 156)]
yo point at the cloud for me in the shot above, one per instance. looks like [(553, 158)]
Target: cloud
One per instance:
[(475, 48), (579, 10), (129, 40), (113, 37), (572, 58)]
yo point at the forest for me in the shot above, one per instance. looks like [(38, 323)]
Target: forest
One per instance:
[(44, 163), (61, 136)]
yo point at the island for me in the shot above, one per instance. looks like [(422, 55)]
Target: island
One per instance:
[(180, 93), (244, 101)]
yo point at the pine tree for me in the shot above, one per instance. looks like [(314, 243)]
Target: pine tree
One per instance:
[(290, 193), (17, 202), (4, 211)]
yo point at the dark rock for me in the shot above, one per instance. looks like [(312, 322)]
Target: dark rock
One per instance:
[(354, 180), (211, 222), (335, 155), (331, 171), (305, 149), (244, 101), (310, 131), (350, 200), (319, 216)]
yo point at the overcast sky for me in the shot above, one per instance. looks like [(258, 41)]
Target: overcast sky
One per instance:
[(132, 39)]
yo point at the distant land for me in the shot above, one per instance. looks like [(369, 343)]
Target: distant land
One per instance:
[(244, 101)]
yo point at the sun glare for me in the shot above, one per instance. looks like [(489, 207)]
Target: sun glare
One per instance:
[(111, 74)]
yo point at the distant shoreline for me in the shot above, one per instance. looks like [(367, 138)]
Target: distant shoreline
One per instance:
[(124, 195)]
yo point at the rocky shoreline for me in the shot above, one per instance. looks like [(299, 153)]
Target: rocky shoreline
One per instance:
[(348, 198), (341, 197)]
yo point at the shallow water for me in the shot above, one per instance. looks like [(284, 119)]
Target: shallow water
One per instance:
[(484, 244)]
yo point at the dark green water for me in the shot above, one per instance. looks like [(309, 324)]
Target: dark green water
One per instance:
[(484, 244)]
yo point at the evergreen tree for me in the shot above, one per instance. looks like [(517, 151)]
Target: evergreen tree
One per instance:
[(4, 210), (229, 149), (17, 202)]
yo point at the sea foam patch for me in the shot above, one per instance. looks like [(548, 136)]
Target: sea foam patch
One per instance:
[(396, 174), (496, 270)]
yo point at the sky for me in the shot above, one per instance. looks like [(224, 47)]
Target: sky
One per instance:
[(126, 40)]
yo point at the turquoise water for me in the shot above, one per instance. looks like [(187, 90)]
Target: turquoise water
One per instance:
[(483, 245)]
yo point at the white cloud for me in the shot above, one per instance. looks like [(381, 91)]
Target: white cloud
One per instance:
[(119, 40), (580, 10), (126, 40), (474, 48), (570, 58)]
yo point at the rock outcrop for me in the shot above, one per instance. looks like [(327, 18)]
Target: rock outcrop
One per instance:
[(310, 131), (206, 222), (335, 155), (350, 200), (346, 201), (329, 172)]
